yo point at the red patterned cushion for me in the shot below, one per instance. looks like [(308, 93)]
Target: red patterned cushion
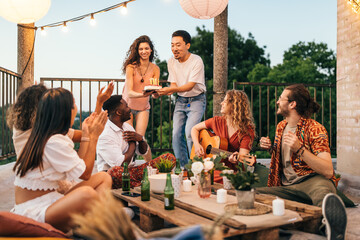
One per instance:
[(13, 225)]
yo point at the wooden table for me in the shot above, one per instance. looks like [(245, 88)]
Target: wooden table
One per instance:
[(153, 215)]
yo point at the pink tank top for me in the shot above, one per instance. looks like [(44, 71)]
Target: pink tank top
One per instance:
[(139, 104)]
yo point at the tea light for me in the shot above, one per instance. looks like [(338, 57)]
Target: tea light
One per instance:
[(221, 195), (278, 207), (187, 185)]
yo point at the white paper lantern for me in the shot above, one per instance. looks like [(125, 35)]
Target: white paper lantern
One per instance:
[(24, 11), (203, 9)]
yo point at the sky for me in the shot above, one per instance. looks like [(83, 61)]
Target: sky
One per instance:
[(98, 51)]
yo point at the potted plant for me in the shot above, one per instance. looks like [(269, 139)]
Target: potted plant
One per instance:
[(242, 181), (164, 165)]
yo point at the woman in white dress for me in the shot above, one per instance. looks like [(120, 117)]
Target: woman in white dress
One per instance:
[(49, 157)]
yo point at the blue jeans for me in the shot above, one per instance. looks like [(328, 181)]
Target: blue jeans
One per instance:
[(188, 112)]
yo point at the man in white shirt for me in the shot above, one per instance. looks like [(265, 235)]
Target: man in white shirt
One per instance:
[(119, 142), (187, 78)]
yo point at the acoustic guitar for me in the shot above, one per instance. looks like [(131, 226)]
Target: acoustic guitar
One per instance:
[(213, 144)]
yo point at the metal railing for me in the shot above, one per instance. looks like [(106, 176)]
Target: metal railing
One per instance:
[(85, 91), (263, 97), (8, 87)]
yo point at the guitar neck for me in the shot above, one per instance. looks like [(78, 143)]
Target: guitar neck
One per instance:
[(249, 160), (218, 151)]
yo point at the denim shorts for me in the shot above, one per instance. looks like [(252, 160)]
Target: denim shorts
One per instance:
[(135, 112)]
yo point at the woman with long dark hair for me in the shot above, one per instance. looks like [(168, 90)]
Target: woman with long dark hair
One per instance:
[(48, 156), (139, 68)]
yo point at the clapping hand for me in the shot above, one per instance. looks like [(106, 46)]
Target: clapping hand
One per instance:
[(96, 123), (291, 140)]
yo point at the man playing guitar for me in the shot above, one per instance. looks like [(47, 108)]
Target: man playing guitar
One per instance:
[(236, 125)]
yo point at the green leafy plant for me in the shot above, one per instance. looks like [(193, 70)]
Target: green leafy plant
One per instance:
[(164, 165), (242, 179)]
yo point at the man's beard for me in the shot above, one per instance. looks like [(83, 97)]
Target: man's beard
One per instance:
[(283, 112)]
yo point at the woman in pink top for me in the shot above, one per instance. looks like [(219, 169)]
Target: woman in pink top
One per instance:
[(139, 69)]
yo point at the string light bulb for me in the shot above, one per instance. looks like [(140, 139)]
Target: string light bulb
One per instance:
[(65, 28), (124, 10), (92, 20), (43, 32)]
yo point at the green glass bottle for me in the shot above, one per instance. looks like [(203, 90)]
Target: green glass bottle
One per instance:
[(145, 186), (177, 168), (169, 194), (125, 177)]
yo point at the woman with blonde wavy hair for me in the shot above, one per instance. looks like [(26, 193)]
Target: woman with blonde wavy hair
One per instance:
[(236, 125)]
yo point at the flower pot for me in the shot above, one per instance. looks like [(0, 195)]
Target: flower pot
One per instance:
[(204, 185), (245, 199)]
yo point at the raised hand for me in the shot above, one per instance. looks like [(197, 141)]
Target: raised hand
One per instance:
[(103, 96), (265, 143)]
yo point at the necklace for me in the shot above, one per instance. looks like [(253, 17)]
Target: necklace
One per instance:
[(142, 75)]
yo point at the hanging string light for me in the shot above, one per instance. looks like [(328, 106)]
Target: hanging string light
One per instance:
[(43, 32), (355, 4), (123, 10), (123, 5), (64, 27), (92, 20)]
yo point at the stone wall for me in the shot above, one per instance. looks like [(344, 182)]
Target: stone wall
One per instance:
[(348, 89)]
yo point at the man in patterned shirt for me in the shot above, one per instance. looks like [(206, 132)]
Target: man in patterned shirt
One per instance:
[(301, 168)]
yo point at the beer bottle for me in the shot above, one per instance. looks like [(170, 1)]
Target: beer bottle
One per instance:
[(177, 168), (145, 187), (169, 194), (125, 179)]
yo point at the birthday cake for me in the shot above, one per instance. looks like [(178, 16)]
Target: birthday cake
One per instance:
[(154, 85)]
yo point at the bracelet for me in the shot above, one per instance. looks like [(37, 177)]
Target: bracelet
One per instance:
[(85, 139)]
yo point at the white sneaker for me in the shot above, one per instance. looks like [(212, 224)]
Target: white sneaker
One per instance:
[(335, 219), (129, 212)]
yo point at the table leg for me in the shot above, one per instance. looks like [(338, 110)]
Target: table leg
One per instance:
[(150, 222)]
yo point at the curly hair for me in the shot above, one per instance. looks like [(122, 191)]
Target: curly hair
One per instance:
[(21, 115), (240, 113), (133, 57)]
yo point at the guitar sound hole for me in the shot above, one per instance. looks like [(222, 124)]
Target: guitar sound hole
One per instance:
[(208, 149)]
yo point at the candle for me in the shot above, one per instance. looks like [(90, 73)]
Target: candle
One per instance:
[(221, 195), (278, 207), (187, 185)]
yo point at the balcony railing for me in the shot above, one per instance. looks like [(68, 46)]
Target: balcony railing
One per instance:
[(86, 90), (263, 97), (8, 87)]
